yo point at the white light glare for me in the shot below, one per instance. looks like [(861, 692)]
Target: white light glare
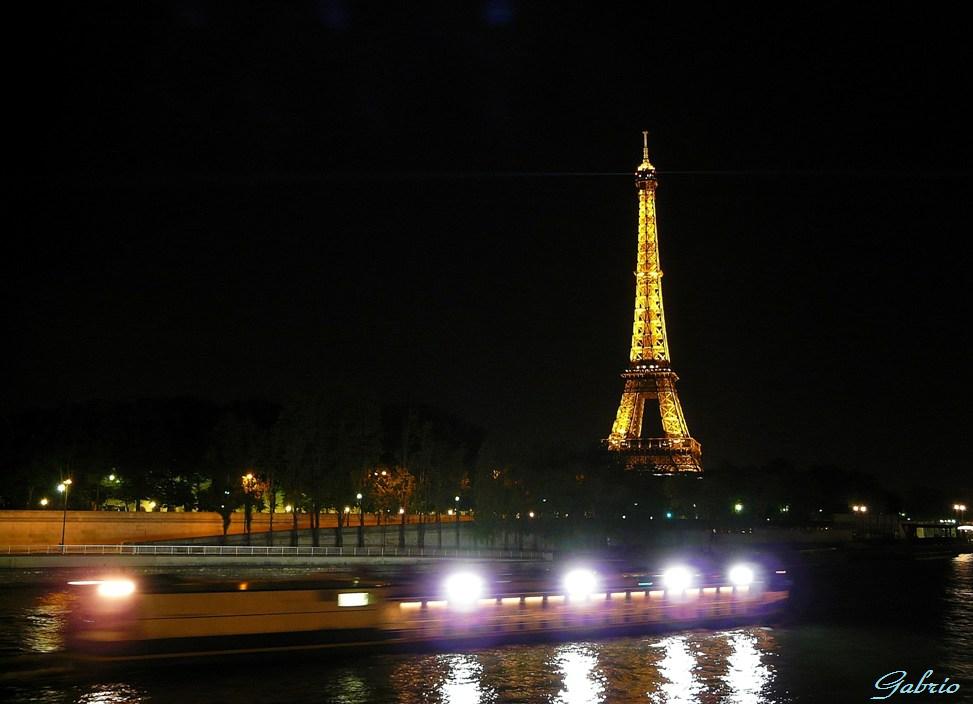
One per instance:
[(463, 588), (580, 583), (677, 579), (741, 575), (115, 588)]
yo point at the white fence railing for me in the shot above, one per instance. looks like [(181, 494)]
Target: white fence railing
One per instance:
[(274, 551)]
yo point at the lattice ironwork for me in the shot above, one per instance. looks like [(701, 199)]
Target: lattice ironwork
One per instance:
[(650, 383)]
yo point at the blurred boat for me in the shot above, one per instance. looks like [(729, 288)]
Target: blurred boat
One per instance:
[(129, 619)]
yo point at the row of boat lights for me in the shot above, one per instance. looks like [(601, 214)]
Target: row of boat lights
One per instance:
[(466, 588)]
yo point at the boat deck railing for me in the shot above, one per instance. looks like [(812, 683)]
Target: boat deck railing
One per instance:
[(276, 551)]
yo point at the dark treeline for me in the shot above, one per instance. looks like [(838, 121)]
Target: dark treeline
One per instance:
[(318, 451)]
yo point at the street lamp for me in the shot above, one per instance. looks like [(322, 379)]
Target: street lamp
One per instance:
[(249, 483), (960, 509), (361, 522), (44, 502), (456, 501), (401, 526), (63, 487), (738, 508)]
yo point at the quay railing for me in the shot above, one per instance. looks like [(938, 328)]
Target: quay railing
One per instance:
[(276, 551)]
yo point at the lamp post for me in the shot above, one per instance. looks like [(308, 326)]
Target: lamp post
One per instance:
[(249, 482), (361, 522), (861, 510), (63, 487), (456, 511), (401, 527), (959, 509)]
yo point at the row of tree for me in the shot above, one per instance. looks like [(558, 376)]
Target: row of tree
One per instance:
[(317, 452)]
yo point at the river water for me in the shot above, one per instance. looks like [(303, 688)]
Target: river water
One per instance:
[(849, 622)]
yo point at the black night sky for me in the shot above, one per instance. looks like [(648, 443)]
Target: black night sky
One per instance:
[(237, 200)]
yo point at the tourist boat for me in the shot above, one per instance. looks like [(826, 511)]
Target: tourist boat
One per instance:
[(131, 619)]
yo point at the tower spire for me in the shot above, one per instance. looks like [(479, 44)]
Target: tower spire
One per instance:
[(646, 165)]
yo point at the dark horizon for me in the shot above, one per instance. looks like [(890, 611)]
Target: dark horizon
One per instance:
[(230, 202)]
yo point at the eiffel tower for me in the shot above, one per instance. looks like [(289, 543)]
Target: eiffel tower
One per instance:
[(650, 382)]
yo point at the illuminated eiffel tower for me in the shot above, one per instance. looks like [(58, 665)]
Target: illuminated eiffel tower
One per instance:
[(650, 383)]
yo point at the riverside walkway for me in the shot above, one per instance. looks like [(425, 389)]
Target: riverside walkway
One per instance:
[(121, 555)]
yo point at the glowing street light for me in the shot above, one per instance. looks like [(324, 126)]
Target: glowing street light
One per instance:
[(402, 520), (64, 487), (44, 502), (738, 508), (361, 522)]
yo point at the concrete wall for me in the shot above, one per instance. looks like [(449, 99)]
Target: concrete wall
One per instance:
[(43, 527), (374, 536)]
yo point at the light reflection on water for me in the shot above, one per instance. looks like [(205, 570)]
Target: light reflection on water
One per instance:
[(463, 680), (748, 676), (117, 693), (679, 684), (583, 683), (958, 619), (44, 630)]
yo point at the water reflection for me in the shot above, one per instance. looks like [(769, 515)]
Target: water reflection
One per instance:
[(462, 683), (958, 619), (747, 677), (677, 667), (116, 693), (45, 620), (349, 688), (582, 682)]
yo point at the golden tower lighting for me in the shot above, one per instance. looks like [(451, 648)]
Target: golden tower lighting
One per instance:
[(650, 382)]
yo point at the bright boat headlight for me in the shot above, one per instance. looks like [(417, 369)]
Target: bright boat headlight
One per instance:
[(580, 583), (740, 575), (463, 588), (116, 588), (677, 579)]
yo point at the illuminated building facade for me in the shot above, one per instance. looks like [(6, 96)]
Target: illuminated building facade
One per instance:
[(650, 383)]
